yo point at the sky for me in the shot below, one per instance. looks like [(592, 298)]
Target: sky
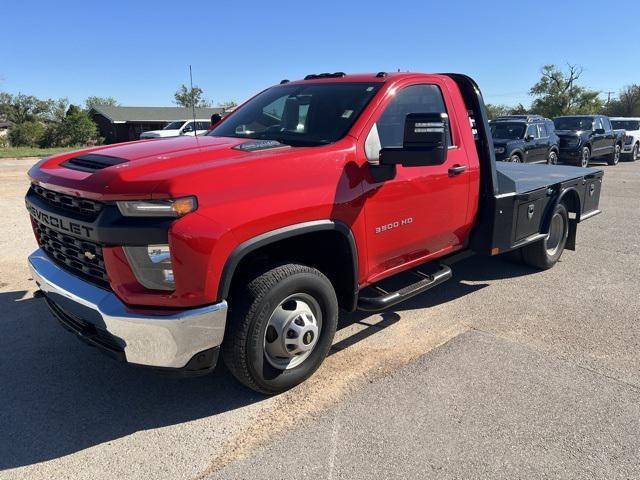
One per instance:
[(139, 51)]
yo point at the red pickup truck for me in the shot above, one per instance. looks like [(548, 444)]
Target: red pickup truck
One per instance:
[(249, 240)]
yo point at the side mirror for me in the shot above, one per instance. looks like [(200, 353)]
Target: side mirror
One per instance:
[(215, 118), (599, 131), (528, 138), (425, 142), (187, 129)]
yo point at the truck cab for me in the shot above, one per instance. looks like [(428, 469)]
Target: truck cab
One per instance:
[(305, 200)]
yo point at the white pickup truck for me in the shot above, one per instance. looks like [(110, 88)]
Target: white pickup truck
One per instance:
[(179, 127), (631, 144)]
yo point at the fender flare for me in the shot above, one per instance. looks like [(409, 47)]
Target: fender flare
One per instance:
[(552, 205), (283, 233), (573, 223)]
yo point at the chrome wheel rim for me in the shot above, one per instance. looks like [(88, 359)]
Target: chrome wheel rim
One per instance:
[(293, 331), (553, 158), (585, 158), (616, 154), (515, 159), (556, 232), (635, 153)]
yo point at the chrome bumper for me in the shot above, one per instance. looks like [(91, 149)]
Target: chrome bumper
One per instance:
[(154, 339)]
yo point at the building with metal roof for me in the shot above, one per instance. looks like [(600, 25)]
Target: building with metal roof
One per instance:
[(123, 124)]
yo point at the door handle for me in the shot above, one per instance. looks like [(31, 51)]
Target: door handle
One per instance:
[(457, 170)]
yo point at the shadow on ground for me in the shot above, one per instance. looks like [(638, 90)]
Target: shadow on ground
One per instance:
[(59, 396)]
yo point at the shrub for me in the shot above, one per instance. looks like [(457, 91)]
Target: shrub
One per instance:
[(51, 137), (77, 128), (26, 134)]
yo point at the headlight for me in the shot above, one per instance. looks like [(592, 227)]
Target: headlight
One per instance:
[(151, 264), (499, 150), (158, 208)]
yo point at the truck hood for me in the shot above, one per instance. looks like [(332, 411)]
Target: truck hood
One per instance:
[(135, 169)]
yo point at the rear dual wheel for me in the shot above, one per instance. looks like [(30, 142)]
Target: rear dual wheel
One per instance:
[(281, 327), (546, 253)]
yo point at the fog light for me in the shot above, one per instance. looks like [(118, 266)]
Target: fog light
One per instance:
[(152, 266)]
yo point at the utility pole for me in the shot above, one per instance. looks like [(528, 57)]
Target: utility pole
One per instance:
[(609, 97)]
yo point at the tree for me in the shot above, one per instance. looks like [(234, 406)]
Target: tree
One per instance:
[(558, 93), (94, 101), (190, 97), (22, 108), (26, 134), (228, 105), (495, 111), (626, 105), (77, 128)]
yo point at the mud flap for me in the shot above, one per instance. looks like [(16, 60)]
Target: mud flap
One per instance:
[(571, 238)]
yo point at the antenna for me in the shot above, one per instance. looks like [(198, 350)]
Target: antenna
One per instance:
[(193, 103)]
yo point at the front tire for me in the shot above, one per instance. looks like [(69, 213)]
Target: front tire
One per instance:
[(634, 153), (546, 253), (553, 158), (281, 326), (585, 157), (515, 158), (614, 158)]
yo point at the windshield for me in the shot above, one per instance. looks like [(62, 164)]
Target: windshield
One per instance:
[(509, 131), (626, 124), (299, 115), (573, 123), (174, 125)]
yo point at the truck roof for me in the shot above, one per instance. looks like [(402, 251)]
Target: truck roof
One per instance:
[(378, 77)]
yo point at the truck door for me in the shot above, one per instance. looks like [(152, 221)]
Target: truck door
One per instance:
[(609, 136), (599, 139), (422, 210)]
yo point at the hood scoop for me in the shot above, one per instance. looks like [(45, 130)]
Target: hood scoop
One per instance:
[(92, 162)]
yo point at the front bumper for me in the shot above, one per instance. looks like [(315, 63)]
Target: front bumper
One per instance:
[(186, 340)]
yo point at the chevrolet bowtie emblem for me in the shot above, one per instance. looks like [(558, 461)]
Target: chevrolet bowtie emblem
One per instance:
[(89, 255)]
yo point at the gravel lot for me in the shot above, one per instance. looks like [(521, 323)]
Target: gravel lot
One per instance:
[(502, 372)]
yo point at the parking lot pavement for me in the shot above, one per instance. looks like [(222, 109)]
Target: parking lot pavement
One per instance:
[(502, 371), (478, 407)]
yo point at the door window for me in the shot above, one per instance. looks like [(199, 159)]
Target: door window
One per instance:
[(533, 131), (543, 130), (606, 124), (597, 124), (413, 99)]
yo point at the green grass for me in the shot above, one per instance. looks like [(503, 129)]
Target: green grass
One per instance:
[(17, 152)]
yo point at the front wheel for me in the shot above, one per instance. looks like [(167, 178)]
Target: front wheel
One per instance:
[(634, 153), (553, 158), (614, 158), (515, 158), (546, 253), (585, 157), (280, 328)]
